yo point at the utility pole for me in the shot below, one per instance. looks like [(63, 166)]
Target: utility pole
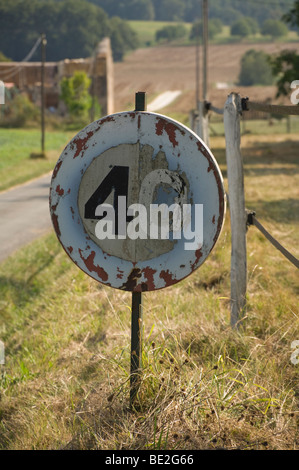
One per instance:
[(43, 54), (197, 67), (205, 39)]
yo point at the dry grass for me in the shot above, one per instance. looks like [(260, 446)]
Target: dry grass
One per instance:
[(65, 383)]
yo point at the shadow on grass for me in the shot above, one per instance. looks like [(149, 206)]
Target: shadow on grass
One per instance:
[(281, 210)]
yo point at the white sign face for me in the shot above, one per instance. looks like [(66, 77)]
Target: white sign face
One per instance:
[(137, 201)]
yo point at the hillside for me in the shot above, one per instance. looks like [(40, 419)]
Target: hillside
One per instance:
[(155, 70)]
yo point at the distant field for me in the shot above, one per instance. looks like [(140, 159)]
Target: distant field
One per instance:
[(146, 31), (158, 69)]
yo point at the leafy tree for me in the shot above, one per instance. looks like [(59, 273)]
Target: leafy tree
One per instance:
[(169, 10), (285, 66), (274, 28), (129, 9), (244, 27), (75, 94), (3, 58), (254, 26), (123, 38), (171, 32), (255, 69), (215, 27), (72, 27)]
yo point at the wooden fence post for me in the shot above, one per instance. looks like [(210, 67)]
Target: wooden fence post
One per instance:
[(236, 202), (203, 123)]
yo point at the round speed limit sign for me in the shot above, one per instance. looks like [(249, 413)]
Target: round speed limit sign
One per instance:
[(137, 201)]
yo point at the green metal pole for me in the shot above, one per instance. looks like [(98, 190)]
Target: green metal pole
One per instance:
[(43, 48), (136, 320), (136, 345)]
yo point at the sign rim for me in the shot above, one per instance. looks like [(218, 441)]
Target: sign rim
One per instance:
[(63, 185)]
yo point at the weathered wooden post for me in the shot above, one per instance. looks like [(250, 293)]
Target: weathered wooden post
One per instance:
[(232, 113), (203, 123)]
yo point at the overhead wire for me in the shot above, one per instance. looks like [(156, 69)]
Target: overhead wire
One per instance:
[(14, 70)]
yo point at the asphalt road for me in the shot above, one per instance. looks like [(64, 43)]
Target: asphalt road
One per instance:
[(24, 210), (24, 214)]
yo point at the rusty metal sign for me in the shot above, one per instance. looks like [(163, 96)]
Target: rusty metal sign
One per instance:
[(137, 201)]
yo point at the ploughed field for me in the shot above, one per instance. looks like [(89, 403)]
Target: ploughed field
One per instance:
[(162, 68)]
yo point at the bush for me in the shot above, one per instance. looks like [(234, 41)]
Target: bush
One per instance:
[(123, 38), (244, 27), (75, 94), (215, 27), (274, 28), (169, 33), (255, 69), (18, 111)]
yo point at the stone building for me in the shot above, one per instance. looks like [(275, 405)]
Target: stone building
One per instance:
[(26, 77)]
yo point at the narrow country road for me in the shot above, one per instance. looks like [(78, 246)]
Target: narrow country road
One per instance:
[(163, 100), (24, 214), (24, 210)]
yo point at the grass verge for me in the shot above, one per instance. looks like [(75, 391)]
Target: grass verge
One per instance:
[(17, 145), (65, 381)]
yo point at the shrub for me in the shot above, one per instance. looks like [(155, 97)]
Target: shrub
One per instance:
[(215, 27), (75, 94), (171, 32), (244, 27), (18, 111), (274, 28), (255, 69)]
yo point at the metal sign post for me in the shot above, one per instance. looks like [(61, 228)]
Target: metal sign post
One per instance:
[(136, 316), (137, 202)]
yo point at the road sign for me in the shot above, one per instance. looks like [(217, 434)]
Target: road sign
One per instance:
[(137, 201)]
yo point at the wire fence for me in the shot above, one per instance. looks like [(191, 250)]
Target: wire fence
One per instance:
[(241, 218)]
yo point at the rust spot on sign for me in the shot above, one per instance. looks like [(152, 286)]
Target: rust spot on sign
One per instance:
[(89, 263), (198, 255), (55, 223), (217, 175), (170, 130), (59, 190), (81, 143), (131, 283), (168, 277), (149, 275), (56, 169)]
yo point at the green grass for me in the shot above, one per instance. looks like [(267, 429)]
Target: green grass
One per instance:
[(65, 381), (17, 145), (146, 31), (259, 126)]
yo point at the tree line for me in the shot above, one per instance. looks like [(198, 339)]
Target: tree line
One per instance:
[(73, 28), (228, 11)]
